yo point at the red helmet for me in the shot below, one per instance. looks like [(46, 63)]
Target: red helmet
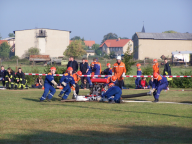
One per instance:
[(155, 75), (111, 84), (79, 73), (138, 65), (113, 78), (53, 68), (108, 64), (70, 69), (155, 60)]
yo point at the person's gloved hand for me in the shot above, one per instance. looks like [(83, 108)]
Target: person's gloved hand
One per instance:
[(123, 75), (75, 94), (74, 85)]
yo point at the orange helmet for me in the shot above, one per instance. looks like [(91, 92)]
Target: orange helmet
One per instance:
[(138, 65), (70, 69), (53, 68), (108, 64), (113, 78), (155, 60), (86, 60), (111, 84), (79, 73), (155, 75), (92, 63)]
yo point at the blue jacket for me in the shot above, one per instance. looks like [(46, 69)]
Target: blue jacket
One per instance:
[(157, 83), (111, 91), (139, 72), (67, 78), (49, 77), (3, 73), (108, 71), (89, 71), (96, 69)]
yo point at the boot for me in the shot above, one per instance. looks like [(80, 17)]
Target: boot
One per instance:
[(156, 100), (60, 95), (15, 87), (21, 87), (11, 86), (111, 102)]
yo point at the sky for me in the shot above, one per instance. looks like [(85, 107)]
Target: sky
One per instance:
[(92, 19)]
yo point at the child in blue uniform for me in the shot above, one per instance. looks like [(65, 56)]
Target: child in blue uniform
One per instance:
[(96, 68), (49, 85), (113, 91), (159, 83), (67, 81), (108, 70), (139, 72), (88, 73)]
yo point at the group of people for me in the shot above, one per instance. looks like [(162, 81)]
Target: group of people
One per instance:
[(9, 78)]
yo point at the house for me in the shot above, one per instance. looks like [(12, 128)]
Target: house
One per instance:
[(154, 45), (88, 43), (119, 46), (10, 41), (51, 42), (2, 41), (90, 52)]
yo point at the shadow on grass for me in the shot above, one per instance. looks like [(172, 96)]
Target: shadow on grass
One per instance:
[(85, 107), (116, 134)]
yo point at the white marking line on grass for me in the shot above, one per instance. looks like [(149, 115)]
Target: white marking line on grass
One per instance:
[(158, 102)]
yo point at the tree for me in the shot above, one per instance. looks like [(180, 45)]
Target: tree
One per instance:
[(95, 46), (32, 51), (98, 51), (109, 36), (77, 38), (75, 49), (128, 60), (0, 36), (11, 35), (170, 31), (112, 54), (123, 37), (4, 50)]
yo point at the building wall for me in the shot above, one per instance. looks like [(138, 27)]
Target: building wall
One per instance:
[(130, 44), (156, 48), (54, 44)]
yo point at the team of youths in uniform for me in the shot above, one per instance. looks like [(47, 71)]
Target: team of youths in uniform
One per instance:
[(69, 80)]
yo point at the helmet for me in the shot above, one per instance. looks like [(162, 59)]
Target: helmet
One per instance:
[(118, 57), (113, 78), (86, 61), (70, 69), (111, 84), (138, 65), (92, 63), (79, 73), (155, 75), (53, 68), (155, 60), (108, 64)]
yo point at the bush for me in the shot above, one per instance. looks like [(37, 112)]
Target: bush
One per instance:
[(182, 82), (31, 79), (147, 71), (14, 57)]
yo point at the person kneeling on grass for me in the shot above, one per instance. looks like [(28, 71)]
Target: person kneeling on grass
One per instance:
[(113, 94), (67, 81), (49, 85), (159, 83), (38, 83)]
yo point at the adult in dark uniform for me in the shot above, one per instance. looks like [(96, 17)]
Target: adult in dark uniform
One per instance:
[(72, 63), (2, 75), (167, 70), (20, 79)]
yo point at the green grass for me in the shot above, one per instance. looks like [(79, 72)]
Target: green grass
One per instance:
[(23, 119)]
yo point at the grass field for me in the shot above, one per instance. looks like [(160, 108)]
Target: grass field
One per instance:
[(23, 119)]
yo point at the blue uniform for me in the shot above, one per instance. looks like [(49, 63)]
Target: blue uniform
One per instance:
[(139, 72), (159, 84), (48, 86), (88, 73), (113, 91), (108, 71), (69, 80), (96, 69)]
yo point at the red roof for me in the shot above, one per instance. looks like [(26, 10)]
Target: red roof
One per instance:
[(2, 41), (115, 42), (87, 43)]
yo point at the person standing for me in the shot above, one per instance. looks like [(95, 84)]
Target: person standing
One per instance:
[(84, 69), (2, 74), (76, 77), (119, 71), (167, 71), (72, 63), (155, 66), (139, 73)]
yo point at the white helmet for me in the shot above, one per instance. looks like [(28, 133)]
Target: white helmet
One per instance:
[(118, 57)]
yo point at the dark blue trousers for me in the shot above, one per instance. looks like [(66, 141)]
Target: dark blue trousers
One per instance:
[(159, 89), (48, 88)]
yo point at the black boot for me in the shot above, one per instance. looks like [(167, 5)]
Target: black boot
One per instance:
[(11, 86), (60, 95), (156, 100), (111, 102), (21, 87), (15, 87)]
